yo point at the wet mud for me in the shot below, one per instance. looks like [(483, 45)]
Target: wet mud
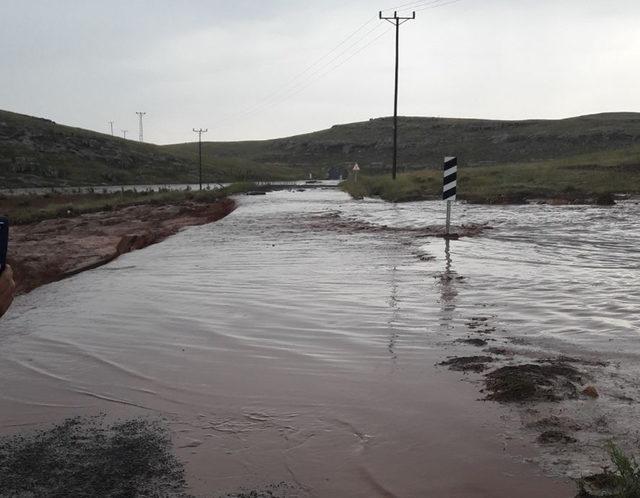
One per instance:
[(468, 363), (338, 223), (554, 437), (533, 382), (51, 250), (602, 485), (279, 490), (474, 342), (555, 399), (86, 456)]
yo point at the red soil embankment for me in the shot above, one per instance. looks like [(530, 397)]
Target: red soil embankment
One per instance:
[(51, 250)]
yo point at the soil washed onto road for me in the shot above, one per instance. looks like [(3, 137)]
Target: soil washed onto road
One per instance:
[(54, 249), (290, 355)]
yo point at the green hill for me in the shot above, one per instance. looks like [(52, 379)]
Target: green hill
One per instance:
[(423, 142), (39, 152), (36, 151)]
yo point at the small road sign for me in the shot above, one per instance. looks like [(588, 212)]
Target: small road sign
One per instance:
[(355, 170)]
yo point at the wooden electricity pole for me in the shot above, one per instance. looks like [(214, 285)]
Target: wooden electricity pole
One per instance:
[(397, 22), (200, 131)]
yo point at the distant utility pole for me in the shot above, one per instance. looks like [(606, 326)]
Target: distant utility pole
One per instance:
[(111, 123), (140, 114), (200, 132), (396, 21), (124, 133)]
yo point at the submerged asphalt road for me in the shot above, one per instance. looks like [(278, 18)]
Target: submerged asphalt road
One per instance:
[(286, 343)]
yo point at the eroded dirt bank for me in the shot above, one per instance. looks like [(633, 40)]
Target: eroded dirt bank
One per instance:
[(55, 249)]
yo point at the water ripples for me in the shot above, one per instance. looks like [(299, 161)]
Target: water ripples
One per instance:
[(262, 286)]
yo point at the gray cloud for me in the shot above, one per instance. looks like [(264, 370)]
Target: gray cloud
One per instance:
[(215, 64)]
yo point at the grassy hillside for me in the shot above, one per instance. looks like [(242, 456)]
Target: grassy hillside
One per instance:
[(39, 152), (584, 178), (423, 142)]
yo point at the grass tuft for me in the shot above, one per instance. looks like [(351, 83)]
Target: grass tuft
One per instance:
[(627, 473), (621, 482)]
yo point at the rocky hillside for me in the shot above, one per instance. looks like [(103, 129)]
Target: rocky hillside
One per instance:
[(423, 142), (39, 152)]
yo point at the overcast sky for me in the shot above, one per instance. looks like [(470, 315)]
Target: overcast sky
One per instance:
[(257, 69)]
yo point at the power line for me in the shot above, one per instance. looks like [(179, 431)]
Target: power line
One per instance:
[(342, 63), (298, 89), (321, 66), (416, 5), (360, 28), (294, 84), (450, 2), (286, 92), (292, 81), (397, 21), (327, 54), (312, 75), (124, 133), (111, 123)]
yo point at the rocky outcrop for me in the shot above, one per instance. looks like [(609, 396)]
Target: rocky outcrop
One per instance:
[(55, 249)]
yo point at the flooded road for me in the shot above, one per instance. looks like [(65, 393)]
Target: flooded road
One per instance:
[(283, 347)]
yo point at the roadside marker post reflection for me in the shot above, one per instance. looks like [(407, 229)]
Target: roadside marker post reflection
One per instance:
[(449, 186)]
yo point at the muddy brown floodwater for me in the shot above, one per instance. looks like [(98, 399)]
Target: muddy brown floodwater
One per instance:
[(50, 250), (289, 353)]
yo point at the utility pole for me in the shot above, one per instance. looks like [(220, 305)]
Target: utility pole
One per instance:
[(141, 114), (200, 132), (124, 133), (397, 22), (111, 123)]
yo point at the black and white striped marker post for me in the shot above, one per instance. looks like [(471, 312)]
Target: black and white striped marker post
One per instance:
[(449, 184)]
